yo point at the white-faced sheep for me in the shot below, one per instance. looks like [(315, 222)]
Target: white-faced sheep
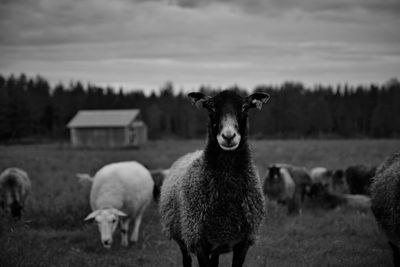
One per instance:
[(211, 201), (120, 192), (385, 193), (15, 186)]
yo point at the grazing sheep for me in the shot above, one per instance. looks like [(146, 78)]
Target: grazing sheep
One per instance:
[(211, 202), (359, 178), (296, 181), (15, 186), (120, 192), (279, 186), (385, 194), (158, 178)]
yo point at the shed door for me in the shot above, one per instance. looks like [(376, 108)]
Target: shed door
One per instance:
[(132, 136)]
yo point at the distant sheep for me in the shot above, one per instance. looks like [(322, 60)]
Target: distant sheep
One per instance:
[(385, 193), (158, 178), (287, 184), (15, 187), (120, 192), (359, 178), (211, 201), (301, 177), (279, 186)]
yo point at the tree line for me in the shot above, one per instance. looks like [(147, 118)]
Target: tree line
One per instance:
[(31, 108)]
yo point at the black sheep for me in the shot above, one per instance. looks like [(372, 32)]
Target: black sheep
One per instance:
[(211, 201), (385, 194)]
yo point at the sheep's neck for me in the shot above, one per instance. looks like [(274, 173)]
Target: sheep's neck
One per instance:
[(231, 161)]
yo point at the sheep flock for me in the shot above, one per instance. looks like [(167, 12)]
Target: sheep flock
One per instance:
[(213, 201)]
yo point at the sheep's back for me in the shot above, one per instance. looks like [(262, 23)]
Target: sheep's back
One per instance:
[(385, 194), (124, 185), (319, 175), (170, 194)]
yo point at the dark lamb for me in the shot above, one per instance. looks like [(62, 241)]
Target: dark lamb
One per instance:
[(211, 201)]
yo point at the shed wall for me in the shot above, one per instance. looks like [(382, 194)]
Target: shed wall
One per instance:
[(98, 137)]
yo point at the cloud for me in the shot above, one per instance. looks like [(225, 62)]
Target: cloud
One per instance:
[(221, 42)]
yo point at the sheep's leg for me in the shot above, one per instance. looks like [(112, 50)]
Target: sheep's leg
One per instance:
[(239, 254), (396, 254), (124, 224), (214, 260), (135, 232), (186, 259), (203, 258)]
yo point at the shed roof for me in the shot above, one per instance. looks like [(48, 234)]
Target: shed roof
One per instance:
[(103, 118)]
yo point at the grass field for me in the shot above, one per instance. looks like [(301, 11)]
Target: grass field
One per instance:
[(53, 232)]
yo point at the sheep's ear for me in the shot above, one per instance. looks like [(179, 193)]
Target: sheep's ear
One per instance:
[(198, 99), (92, 215), (255, 100), (119, 213)]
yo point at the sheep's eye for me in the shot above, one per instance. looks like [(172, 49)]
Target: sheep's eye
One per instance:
[(114, 220)]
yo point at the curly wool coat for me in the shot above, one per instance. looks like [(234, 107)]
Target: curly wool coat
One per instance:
[(218, 206), (385, 194)]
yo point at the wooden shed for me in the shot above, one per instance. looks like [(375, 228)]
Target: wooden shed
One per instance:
[(107, 128)]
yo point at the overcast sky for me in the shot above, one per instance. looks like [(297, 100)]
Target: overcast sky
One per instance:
[(144, 43)]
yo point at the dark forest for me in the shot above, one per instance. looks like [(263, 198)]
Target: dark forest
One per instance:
[(32, 109)]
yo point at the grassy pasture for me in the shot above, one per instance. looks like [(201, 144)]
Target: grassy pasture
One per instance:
[(53, 233)]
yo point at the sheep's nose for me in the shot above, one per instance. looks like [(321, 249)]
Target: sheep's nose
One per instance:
[(228, 136), (107, 243)]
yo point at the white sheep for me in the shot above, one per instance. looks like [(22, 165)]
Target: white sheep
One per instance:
[(120, 192), (15, 186)]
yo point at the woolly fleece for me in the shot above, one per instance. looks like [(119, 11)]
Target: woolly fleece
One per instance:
[(385, 194), (219, 207)]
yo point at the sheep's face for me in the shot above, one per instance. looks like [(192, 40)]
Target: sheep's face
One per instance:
[(107, 221), (274, 173), (228, 115), (274, 183)]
